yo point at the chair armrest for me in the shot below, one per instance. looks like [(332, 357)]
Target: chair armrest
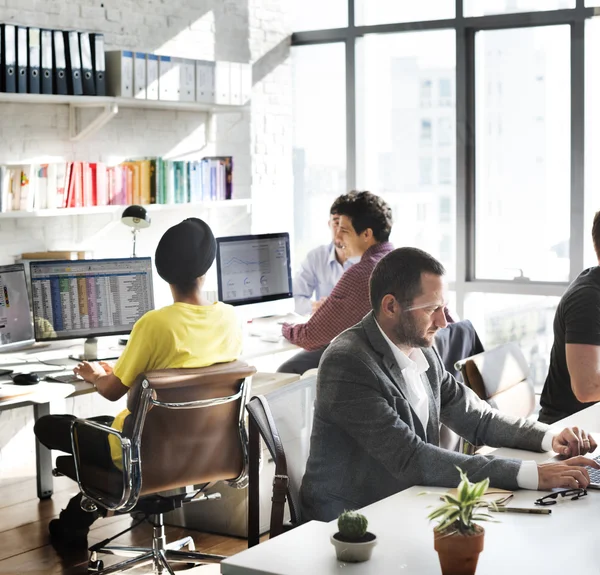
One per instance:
[(130, 468)]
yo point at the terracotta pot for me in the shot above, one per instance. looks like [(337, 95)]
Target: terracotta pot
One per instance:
[(354, 552), (459, 553)]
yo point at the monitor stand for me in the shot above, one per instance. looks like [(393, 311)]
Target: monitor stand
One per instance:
[(91, 352)]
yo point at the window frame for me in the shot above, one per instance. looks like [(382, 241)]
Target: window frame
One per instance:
[(464, 86)]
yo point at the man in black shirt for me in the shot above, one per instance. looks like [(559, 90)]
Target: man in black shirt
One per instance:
[(573, 381)]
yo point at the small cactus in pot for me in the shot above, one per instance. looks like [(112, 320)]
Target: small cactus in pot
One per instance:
[(353, 543)]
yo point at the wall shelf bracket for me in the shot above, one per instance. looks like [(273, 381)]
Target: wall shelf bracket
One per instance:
[(107, 113)]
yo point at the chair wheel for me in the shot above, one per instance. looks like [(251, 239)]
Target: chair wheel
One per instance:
[(95, 566)]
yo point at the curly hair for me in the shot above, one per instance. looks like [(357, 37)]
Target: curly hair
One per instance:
[(366, 210)]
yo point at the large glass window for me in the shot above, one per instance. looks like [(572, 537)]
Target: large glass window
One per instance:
[(592, 137), (318, 15), (526, 320), (319, 140), (485, 7), (386, 11), (406, 141), (523, 153)]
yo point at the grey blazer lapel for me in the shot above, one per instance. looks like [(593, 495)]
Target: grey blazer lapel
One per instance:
[(393, 370), (433, 424)]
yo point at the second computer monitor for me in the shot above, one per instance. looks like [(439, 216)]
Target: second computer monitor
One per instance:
[(89, 298), (16, 329), (256, 270)]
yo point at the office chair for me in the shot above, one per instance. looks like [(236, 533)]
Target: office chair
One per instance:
[(186, 428), (455, 342), (501, 377), (263, 412)]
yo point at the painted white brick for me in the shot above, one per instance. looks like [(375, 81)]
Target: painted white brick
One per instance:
[(260, 141)]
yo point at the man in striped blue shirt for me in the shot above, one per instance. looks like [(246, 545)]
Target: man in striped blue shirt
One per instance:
[(321, 270)]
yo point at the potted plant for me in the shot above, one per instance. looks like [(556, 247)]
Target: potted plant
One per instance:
[(457, 539), (353, 543)]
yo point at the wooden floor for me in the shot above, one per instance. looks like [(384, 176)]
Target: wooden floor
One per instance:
[(25, 545)]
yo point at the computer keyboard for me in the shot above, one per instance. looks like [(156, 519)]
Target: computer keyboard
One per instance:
[(594, 473), (68, 377)]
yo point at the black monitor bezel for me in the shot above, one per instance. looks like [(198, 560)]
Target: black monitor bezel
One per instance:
[(91, 333), (15, 345), (259, 299)]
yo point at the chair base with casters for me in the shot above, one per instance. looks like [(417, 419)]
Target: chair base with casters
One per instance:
[(161, 553)]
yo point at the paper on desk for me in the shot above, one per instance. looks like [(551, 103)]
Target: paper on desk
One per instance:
[(42, 392)]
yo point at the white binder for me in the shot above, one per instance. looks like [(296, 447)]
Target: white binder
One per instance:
[(151, 77), (139, 75), (222, 83), (167, 83), (119, 73), (235, 83), (205, 81), (187, 80), (246, 83)]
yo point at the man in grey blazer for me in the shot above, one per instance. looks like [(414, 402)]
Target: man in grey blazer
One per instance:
[(382, 393)]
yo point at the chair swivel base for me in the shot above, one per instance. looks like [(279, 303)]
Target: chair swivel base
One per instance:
[(160, 554)]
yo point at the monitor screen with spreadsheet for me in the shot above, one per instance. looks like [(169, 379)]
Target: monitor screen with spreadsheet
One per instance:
[(16, 327), (89, 298), (254, 269)]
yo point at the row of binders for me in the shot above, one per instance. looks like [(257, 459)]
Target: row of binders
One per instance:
[(39, 61), (151, 77), (147, 181)]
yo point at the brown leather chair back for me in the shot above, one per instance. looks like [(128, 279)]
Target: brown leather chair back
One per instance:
[(501, 377), (182, 447)]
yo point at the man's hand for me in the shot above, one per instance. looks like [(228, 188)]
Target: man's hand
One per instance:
[(317, 304), (573, 441), (569, 473), (92, 371)]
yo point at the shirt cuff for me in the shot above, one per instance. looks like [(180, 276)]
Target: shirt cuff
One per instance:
[(547, 441), (528, 477)]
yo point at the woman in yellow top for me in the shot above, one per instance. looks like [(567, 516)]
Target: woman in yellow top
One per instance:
[(190, 333)]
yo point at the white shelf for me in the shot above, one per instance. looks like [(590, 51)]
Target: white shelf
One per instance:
[(110, 108), (91, 210), (101, 101)]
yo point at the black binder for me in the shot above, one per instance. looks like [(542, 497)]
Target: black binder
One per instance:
[(22, 60), (73, 63), (46, 68), (9, 58), (33, 80), (97, 45), (87, 68), (59, 62)]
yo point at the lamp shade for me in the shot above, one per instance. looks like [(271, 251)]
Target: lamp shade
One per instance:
[(136, 216)]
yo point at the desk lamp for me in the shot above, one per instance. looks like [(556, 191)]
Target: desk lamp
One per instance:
[(137, 218)]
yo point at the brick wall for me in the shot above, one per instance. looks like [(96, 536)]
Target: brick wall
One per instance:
[(259, 139)]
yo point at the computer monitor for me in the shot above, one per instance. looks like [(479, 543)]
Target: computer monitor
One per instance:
[(16, 327), (89, 298), (254, 273)]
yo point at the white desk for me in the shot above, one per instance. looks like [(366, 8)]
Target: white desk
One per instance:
[(563, 542), (39, 396)]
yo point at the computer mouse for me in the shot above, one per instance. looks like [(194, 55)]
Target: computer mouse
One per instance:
[(26, 379)]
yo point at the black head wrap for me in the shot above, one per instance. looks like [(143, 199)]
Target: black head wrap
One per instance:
[(185, 252)]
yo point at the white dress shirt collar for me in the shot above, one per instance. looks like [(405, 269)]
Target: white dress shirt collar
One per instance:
[(412, 367)]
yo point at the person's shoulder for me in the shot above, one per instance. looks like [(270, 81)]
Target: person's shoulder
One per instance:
[(587, 284), (351, 343)]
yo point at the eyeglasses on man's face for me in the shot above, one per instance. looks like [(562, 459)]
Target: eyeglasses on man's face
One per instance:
[(551, 498)]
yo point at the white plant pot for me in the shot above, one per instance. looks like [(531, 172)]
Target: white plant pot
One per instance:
[(353, 552)]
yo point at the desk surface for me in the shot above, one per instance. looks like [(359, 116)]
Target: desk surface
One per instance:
[(57, 353), (563, 542)]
